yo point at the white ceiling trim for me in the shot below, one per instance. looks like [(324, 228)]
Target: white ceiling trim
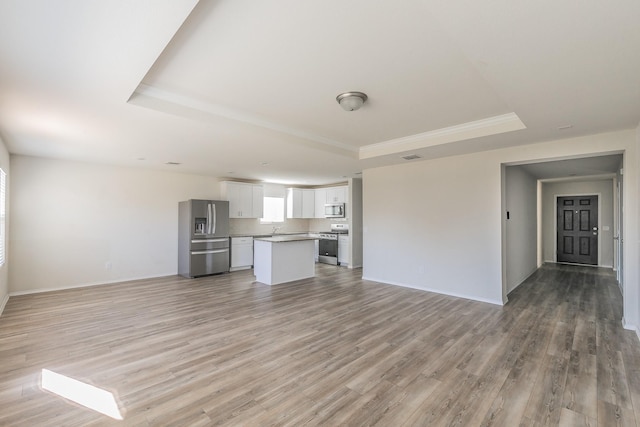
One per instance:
[(581, 178), (150, 93), (485, 127)]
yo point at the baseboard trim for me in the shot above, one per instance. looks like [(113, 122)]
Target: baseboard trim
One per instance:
[(630, 327), (4, 303), (436, 291), (86, 285), (582, 265)]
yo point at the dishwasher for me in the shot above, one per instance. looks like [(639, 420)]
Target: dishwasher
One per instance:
[(241, 253)]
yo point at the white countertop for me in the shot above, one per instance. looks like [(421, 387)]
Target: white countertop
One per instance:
[(261, 235), (284, 238), (313, 234)]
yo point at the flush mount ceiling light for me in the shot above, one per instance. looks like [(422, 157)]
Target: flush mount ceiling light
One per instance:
[(351, 101)]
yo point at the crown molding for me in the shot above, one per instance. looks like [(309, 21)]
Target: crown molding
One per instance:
[(145, 96), (490, 126)]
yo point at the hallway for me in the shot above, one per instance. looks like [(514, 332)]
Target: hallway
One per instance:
[(591, 366)]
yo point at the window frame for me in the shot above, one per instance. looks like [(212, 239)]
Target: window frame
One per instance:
[(274, 219)]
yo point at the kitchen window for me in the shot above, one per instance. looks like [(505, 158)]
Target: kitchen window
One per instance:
[(273, 210), (273, 203)]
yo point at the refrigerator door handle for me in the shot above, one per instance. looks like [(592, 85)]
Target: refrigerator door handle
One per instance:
[(209, 240), (208, 218), (219, 251), (215, 217)]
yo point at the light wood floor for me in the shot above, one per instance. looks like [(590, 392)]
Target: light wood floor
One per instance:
[(334, 350)]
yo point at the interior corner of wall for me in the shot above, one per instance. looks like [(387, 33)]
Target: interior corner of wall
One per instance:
[(3, 303), (630, 327)]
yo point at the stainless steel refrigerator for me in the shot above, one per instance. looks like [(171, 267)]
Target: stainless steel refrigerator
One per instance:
[(203, 237)]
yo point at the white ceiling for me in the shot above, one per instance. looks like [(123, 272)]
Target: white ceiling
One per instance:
[(586, 167), (245, 89)]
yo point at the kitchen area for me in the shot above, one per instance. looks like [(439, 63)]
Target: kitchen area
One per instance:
[(261, 214)]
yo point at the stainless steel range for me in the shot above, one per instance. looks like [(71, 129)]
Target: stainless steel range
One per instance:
[(328, 243)]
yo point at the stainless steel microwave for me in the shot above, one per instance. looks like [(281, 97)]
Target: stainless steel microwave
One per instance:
[(334, 210)]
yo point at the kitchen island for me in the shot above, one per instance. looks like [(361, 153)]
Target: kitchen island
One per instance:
[(282, 259)]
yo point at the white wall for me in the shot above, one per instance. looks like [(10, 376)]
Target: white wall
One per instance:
[(253, 227), (629, 263), (521, 196), (604, 189), (72, 219), (436, 224), (4, 269)]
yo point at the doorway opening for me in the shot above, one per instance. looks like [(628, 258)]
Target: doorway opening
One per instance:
[(532, 221)]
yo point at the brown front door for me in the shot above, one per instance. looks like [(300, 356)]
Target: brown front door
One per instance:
[(578, 229)]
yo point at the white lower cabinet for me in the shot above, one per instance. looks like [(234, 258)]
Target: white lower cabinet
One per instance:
[(343, 250), (241, 253)]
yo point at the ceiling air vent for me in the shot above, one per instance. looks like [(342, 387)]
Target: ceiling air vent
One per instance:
[(411, 157)]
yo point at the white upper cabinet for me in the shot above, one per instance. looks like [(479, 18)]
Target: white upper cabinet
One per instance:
[(329, 195), (257, 208), (321, 199), (308, 203), (294, 203), (245, 200), (301, 203), (337, 194)]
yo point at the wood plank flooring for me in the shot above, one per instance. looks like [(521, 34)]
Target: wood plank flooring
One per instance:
[(333, 350)]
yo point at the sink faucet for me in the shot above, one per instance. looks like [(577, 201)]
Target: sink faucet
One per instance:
[(275, 230)]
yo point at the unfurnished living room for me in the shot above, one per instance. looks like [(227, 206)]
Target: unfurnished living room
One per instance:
[(218, 212)]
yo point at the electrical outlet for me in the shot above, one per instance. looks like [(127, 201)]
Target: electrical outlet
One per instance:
[(107, 265)]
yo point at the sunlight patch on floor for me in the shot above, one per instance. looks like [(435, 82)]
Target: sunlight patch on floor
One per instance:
[(84, 394)]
